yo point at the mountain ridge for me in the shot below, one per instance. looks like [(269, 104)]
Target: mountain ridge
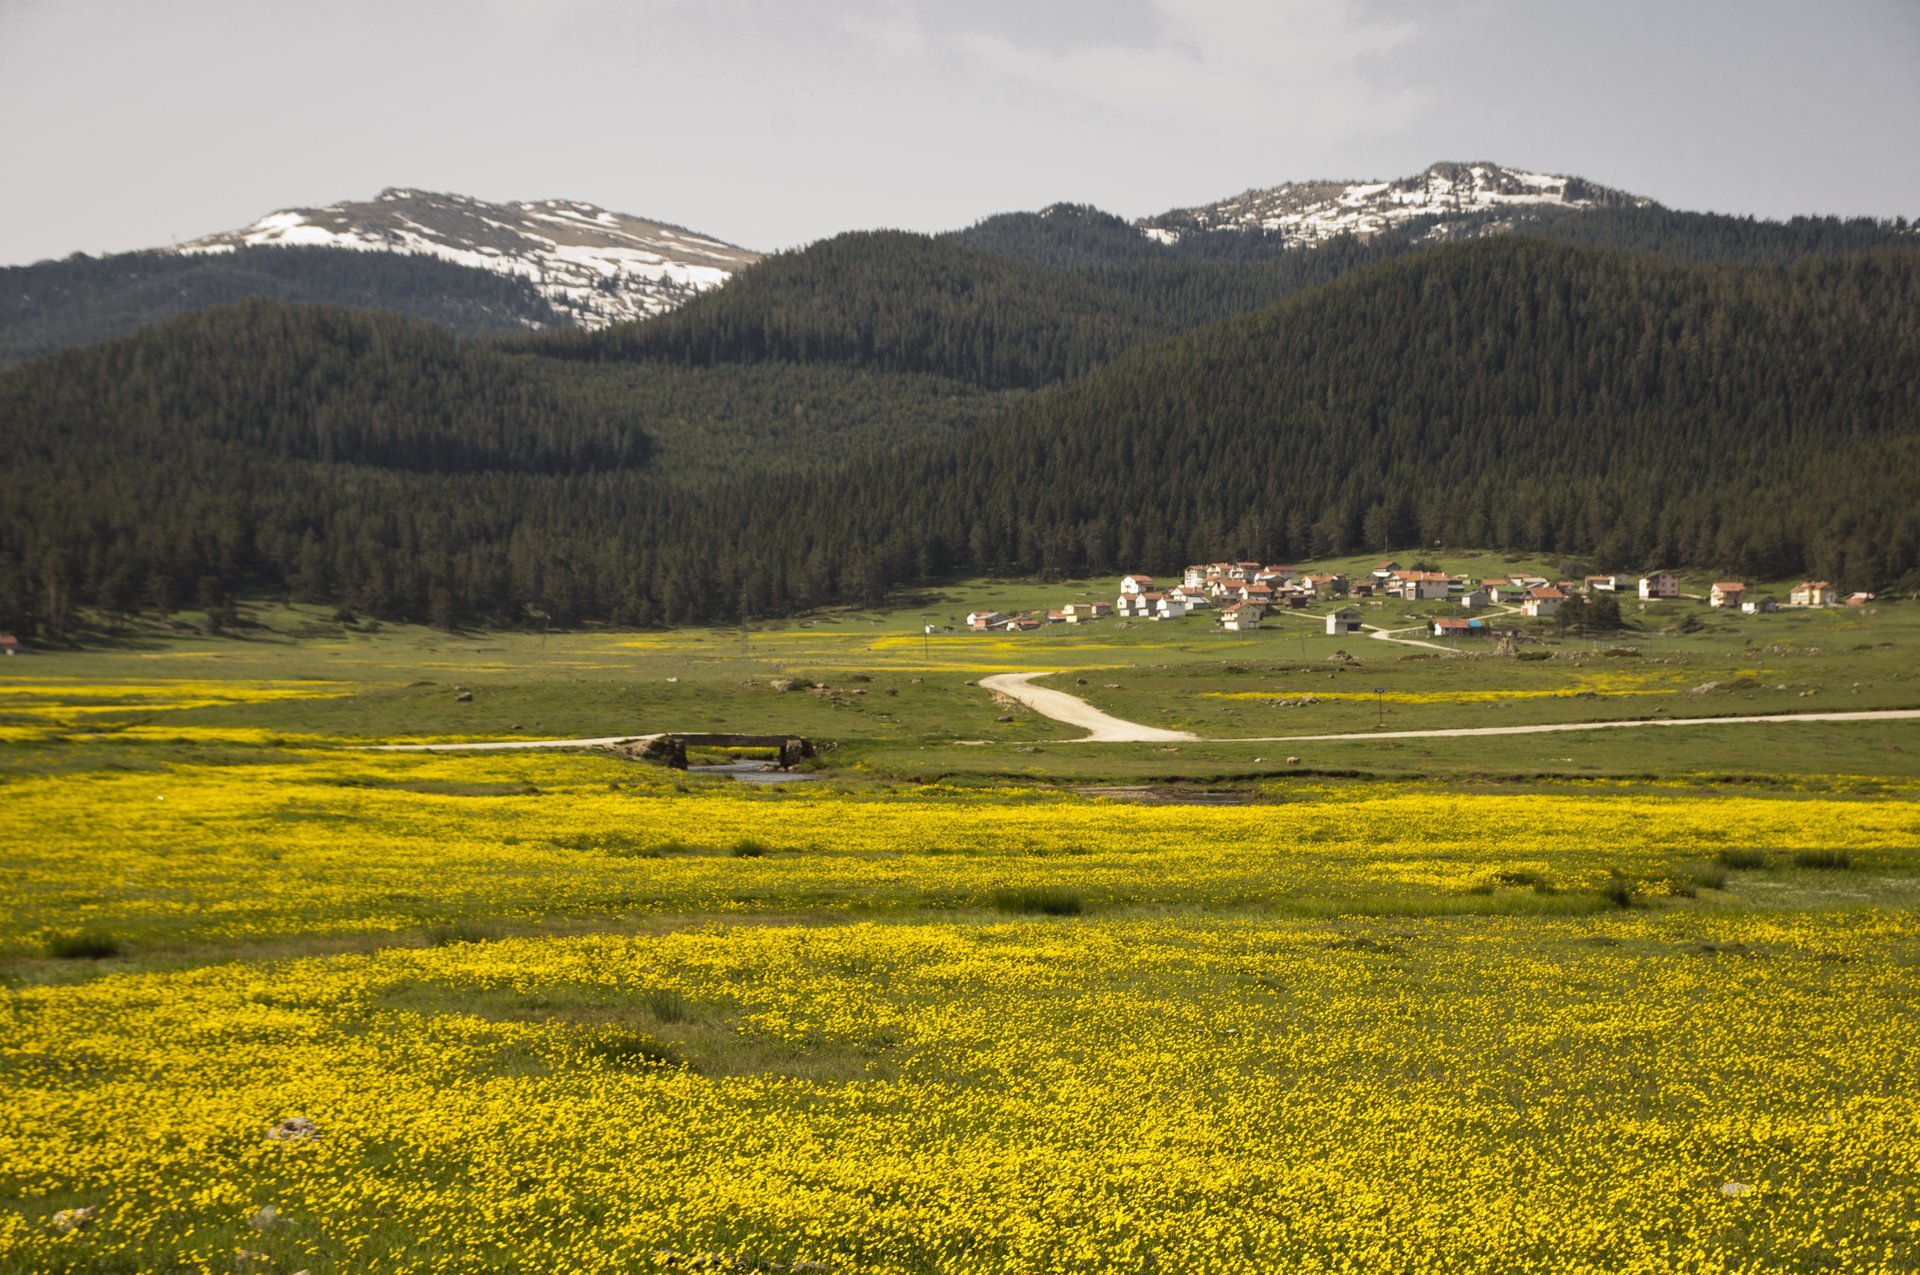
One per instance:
[(1311, 212), (592, 265)]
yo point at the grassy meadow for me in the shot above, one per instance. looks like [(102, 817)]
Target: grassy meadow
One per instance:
[(976, 996)]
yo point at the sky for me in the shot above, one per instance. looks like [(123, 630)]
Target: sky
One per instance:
[(771, 123)]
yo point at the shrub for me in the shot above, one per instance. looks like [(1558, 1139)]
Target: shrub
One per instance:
[(1044, 900), (1732, 858), (1823, 860), (1619, 889), (87, 945), (748, 848)]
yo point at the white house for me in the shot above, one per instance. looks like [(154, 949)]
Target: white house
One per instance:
[(1239, 617), (1345, 620), (1543, 600), (1168, 606), (1601, 584), (1726, 593), (1759, 606), (1659, 584), (1130, 585), (1472, 597), (984, 620), (1191, 598)]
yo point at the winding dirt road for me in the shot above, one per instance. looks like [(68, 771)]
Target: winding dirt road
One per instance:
[(1071, 709), (1103, 728)]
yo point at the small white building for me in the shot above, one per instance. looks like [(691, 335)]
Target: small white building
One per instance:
[(1726, 593), (1241, 617), (1659, 584), (1134, 584), (984, 620), (1345, 620)]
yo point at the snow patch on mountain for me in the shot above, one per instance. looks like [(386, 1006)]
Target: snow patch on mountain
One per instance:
[(1308, 213), (595, 266)]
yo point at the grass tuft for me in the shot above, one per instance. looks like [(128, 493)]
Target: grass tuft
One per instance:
[(1041, 900), (1823, 860), (87, 945), (1741, 859), (748, 848)]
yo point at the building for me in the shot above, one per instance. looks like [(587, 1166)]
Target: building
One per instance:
[(1659, 584), (1472, 597), (10, 645), (1759, 606), (1726, 593), (1859, 599), (1134, 584), (1240, 617), (1345, 620), (1813, 593), (1421, 586), (984, 620), (1543, 600), (1601, 584), (1459, 628)]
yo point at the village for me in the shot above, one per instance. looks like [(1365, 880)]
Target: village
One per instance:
[(1240, 595)]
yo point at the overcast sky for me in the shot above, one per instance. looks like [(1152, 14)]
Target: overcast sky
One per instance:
[(132, 123)]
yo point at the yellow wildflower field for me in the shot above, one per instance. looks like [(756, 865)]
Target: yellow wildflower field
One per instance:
[(317, 842), (539, 1012), (1642, 1093)]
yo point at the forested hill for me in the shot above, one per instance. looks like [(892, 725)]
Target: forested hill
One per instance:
[(899, 302), (1504, 392), (1507, 392), (1072, 235), (81, 300)]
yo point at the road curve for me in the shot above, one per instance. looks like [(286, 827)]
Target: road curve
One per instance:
[(1074, 711)]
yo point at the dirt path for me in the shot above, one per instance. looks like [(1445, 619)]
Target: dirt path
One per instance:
[(1860, 715), (1386, 635), (498, 745), (1103, 728), (1074, 711)]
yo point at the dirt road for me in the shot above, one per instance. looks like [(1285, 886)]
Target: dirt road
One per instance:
[(1074, 711), (1103, 728)]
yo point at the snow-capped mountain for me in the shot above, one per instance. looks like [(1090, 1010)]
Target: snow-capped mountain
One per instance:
[(1306, 213), (596, 266)]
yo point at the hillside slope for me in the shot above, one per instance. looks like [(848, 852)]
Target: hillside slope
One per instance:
[(81, 300)]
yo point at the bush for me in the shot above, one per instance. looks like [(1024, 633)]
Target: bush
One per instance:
[(87, 945), (1619, 889), (458, 932), (1823, 860), (748, 848), (1043, 900), (1741, 859)]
